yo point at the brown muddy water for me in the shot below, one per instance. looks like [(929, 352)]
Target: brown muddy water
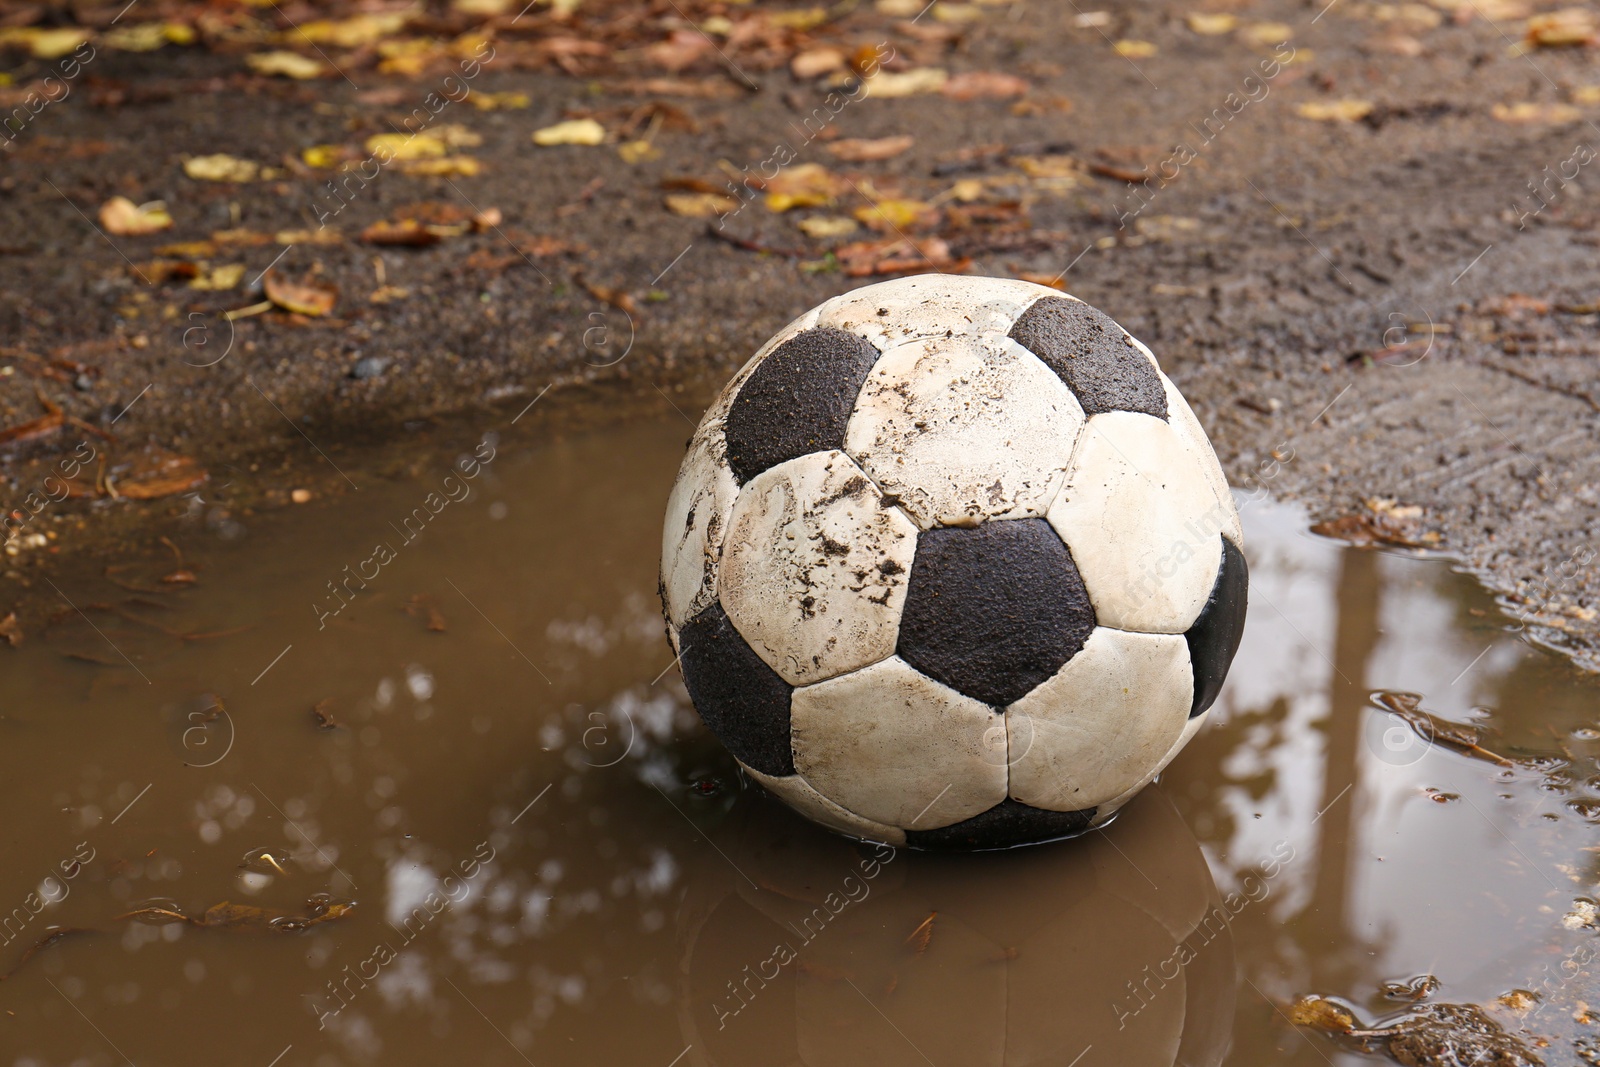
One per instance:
[(550, 862)]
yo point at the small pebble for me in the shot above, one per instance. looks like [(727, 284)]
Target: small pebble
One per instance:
[(368, 367)]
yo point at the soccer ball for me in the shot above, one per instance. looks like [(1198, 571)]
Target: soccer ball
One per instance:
[(951, 564)]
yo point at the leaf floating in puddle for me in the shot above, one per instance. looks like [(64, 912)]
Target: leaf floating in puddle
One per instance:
[(1411, 990), (1430, 727), (58, 934), (228, 915), (422, 606), (1385, 522), (11, 630), (322, 713), (918, 941), (1322, 1014)]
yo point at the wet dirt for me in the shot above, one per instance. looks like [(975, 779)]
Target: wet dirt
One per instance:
[(1400, 308), (448, 802)]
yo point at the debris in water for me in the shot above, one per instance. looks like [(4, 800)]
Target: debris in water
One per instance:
[(322, 712), (11, 630), (1432, 1035), (422, 606), (1430, 727), (1385, 522), (917, 942)]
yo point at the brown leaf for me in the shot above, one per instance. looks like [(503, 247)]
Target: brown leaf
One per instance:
[(51, 421), (620, 299), (918, 941), (815, 62), (155, 472), (309, 296), (322, 712), (11, 630), (407, 233), (422, 605), (1322, 1014), (984, 85), (45, 942), (1383, 523), (866, 150)]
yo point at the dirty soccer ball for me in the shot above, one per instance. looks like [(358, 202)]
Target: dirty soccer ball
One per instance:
[(951, 564)]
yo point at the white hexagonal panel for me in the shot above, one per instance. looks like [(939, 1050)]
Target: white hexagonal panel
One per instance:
[(965, 429), (930, 305), (1110, 807), (691, 539), (814, 567), (1225, 516), (796, 792), (892, 745), (1133, 511), (1099, 724)]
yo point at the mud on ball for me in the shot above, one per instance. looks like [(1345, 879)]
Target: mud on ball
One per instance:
[(951, 564)]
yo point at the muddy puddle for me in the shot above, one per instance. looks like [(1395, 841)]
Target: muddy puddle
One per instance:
[(379, 791)]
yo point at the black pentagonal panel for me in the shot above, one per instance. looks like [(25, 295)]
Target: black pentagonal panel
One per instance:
[(1006, 825), (742, 700), (994, 610), (1214, 637), (1093, 355), (798, 400)]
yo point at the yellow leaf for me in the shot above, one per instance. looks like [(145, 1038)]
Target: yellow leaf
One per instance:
[(1049, 166), (348, 33), (719, 25), (1347, 110), (1266, 33), (226, 276), (700, 205), (323, 235), (123, 217), (1322, 1014), (457, 136), (900, 9), (324, 156), (53, 44), (447, 167), (286, 64), (405, 146), (823, 226), (638, 152), (1536, 114), (497, 101), (1135, 49), (957, 13), (1565, 28), (806, 185), (1209, 25), (146, 36), (808, 18), (574, 131), (483, 7), (894, 214), (221, 168), (910, 83), (1586, 94)]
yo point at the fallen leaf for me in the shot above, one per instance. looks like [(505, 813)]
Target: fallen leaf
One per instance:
[(499, 101), (221, 168), (1054, 281), (11, 630), (406, 146), (805, 185), (1531, 114), (148, 36), (700, 205), (919, 938), (447, 167), (226, 276), (406, 232), (957, 13), (1131, 49), (1265, 34), (824, 226), (422, 606), (350, 32), (898, 256), (897, 215), (124, 218), (1586, 94), (633, 152), (323, 235), (287, 64), (1347, 110), (1569, 27), (573, 131), (1322, 1014), (815, 62), (1383, 523), (327, 156), (909, 83), (45, 43), (984, 85), (1210, 25), (620, 299), (156, 472), (867, 150), (308, 297)]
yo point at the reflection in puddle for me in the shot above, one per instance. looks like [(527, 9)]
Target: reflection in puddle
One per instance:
[(487, 750)]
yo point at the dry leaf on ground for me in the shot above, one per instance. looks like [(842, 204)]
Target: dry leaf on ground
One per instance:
[(310, 296), (221, 167), (1348, 110), (123, 217), (573, 131), (984, 85), (287, 64), (867, 150), (700, 205), (909, 83)]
